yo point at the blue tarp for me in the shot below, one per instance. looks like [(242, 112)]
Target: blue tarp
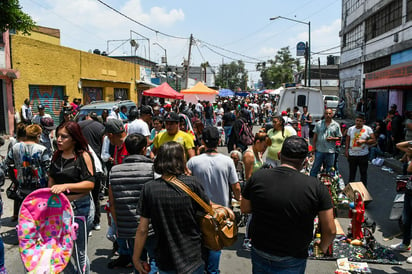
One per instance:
[(226, 92)]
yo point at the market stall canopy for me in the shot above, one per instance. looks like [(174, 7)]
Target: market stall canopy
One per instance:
[(226, 92), (276, 91), (199, 88), (163, 91), (199, 92)]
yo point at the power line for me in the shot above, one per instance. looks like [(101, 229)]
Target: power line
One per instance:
[(143, 25)]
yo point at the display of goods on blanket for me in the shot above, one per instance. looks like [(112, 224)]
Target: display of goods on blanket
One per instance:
[(368, 251)]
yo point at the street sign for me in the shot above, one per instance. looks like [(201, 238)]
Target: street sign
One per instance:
[(300, 49)]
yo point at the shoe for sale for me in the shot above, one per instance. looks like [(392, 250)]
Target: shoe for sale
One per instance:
[(122, 261), (96, 227), (409, 260), (401, 247)]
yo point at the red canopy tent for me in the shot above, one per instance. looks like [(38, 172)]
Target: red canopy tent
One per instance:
[(163, 91)]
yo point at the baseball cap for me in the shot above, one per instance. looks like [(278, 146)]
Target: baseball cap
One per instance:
[(40, 107), (210, 136), (47, 123), (114, 126), (284, 113), (295, 147), (146, 110), (115, 108), (172, 117)]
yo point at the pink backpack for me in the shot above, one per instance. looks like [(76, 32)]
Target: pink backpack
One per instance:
[(46, 231)]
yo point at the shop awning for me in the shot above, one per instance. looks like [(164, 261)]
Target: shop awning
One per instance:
[(9, 73), (399, 75)]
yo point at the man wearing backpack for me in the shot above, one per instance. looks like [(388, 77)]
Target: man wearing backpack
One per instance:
[(241, 127)]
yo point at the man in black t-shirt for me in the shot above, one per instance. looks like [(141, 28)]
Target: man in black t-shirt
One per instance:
[(283, 211)]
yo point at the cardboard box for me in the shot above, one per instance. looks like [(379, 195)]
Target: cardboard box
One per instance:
[(348, 190)]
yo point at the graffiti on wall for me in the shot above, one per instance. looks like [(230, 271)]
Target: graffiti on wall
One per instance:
[(50, 97)]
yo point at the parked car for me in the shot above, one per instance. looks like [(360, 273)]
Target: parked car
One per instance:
[(331, 101), (99, 106)]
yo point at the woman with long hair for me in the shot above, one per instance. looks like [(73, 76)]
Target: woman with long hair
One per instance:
[(72, 172), (277, 135), (173, 216)]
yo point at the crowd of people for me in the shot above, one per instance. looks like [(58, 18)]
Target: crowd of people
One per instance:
[(132, 154)]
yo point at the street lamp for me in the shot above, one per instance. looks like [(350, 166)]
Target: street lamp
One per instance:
[(135, 45), (308, 48), (165, 58)]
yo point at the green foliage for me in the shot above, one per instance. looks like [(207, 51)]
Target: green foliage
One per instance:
[(233, 76), (13, 18), (276, 72)]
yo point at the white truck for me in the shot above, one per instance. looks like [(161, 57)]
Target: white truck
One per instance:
[(301, 96)]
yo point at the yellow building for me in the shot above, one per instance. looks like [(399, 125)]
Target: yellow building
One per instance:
[(49, 71)]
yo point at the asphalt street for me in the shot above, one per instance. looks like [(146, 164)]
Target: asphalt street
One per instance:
[(381, 186)]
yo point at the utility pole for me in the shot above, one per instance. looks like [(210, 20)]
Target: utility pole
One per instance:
[(188, 60), (320, 75)]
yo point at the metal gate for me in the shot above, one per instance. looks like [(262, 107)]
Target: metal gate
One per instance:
[(50, 97)]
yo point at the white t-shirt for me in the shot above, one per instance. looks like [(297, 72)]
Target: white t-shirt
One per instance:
[(37, 118), (138, 126), (356, 134)]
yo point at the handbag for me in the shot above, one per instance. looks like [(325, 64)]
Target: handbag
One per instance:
[(13, 193), (218, 224)]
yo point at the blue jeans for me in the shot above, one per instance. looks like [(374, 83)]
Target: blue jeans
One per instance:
[(213, 260), (199, 270), (84, 211), (228, 130), (407, 218), (126, 247), (265, 263), (320, 158), (1, 253)]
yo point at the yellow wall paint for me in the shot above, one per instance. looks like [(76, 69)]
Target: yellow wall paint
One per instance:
[(42, 63)]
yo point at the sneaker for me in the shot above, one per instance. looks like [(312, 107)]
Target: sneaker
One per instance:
[(122, 261), (96, 227), (247, 244), (409, 260), (401, 247), (3, 270), (90, 233)]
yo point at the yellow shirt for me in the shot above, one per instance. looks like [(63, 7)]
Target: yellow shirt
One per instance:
[(183, 138)]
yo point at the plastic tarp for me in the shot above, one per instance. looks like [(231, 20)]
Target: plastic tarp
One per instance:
[(199, 88), (199, 92), (163, 91), (226, 92)]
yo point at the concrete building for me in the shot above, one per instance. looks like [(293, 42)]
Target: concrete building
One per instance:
[(376, 48), (49, 71)]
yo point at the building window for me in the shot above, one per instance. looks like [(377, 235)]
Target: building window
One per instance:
[(409, 10), (384, 20), (352, 5), (353, 38)]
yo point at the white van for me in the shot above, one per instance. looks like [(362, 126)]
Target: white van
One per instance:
[(301, 96), (331, 101)]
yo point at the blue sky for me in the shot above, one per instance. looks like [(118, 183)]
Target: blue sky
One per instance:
[(242, 27)]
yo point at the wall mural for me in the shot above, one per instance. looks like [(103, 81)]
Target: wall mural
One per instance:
[(50, 97)]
